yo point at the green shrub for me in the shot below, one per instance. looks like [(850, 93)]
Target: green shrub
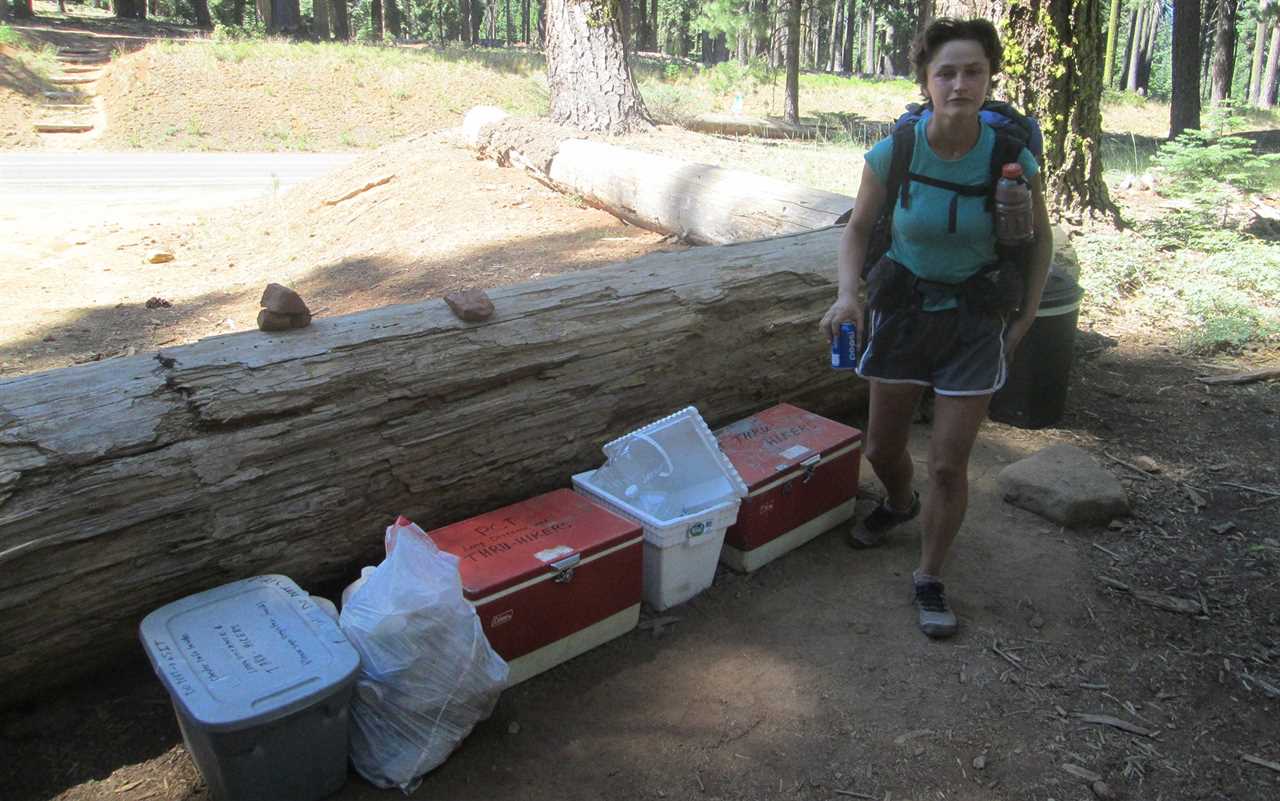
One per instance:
[(1116, 266), (1226, 320), (8, 36), (669, 103)]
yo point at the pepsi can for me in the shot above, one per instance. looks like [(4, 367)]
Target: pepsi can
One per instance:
[(844, 348)]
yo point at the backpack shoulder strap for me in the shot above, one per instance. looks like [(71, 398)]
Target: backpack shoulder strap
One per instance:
[(897, 183)]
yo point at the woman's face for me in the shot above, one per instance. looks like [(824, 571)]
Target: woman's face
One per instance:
[(958, 78)]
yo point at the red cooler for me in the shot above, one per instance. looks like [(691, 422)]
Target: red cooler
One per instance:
[(551, 577), (802, 475)]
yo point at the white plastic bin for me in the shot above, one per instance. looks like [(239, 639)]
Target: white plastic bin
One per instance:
[(681, 551)]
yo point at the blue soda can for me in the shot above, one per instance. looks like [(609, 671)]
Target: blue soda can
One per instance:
[(844, 348)]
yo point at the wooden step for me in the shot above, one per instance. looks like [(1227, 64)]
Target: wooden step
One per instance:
[(63, 127), (71, 69), (73, 80), (63, 97), (81, 51)]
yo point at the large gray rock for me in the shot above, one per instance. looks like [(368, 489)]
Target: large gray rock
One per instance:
[(1066, 485)]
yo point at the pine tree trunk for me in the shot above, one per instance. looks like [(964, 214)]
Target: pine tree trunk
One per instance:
[(870, 63), (837, 30), (1058, 79), (815, 42), (376, 26), (587, 72), (203, 21), (542, 23), (320, 20), (1113, 22), (1149, 47), (1184, 106), (1267, 92), (682, 41), (1130, 50), (391, 17), (237, 12), (760, 16), (341, 19), (1259, 50), (850, 29), (792, 103), (1224, 49), (125, 9)]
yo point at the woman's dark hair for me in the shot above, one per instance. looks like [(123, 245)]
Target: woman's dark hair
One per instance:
[(948, 29)]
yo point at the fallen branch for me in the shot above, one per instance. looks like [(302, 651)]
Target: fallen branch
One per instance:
[(1008, 657), (1115, 723), (852, 794), (1260, 491), (1241, 378), (1145, 475), (1169, 603), (1081, 773), (1266, 763), (383, 180)]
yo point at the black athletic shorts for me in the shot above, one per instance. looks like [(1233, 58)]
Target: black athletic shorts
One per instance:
[(955, 351)]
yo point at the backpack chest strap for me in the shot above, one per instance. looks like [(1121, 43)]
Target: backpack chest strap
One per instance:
[(957, 190)]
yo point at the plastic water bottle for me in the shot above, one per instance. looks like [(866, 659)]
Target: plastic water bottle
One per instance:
[(1014, 220), (844, 348)]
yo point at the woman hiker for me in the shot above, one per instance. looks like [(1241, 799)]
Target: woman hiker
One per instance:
[(932, 322)]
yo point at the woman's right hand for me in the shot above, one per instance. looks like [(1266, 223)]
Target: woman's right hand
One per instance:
[(844, 310)]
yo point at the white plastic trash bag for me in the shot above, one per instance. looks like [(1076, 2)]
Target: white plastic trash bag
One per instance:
[(427, 672)]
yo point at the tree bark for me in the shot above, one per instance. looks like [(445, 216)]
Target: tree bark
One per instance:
[(203, 21), (850, 25), (1058, 80), (792, 102), (1224, 50), (125, 9), (1259, 48), (321, 28), (1184, 106), (1113, 23), (1129, 78), (870, 63), (391, 18), (1267, 92), (130, 483), (341, 19), (587, 71), (1149, 47)]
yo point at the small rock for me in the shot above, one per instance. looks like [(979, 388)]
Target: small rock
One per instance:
[(1147, 463), (159, 256), (1102, 790), (1036, 622), (50, 338), (472, 305), (158, 303), (270, 320), (980, 762), (1222, 528), (283, 300), (1116, 525), (1066, 485), (919, 750), (513, 728)]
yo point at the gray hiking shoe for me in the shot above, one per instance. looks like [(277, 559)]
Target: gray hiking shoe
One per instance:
[(875, 526), (934, 615)]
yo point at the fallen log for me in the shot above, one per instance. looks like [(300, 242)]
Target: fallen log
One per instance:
[(829, 125), (1265, 374), (700, 203), (128, 483)]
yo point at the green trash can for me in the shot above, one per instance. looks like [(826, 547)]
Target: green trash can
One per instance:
[(1035, 393)]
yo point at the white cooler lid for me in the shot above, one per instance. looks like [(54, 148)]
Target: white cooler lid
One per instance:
[(248, 652)]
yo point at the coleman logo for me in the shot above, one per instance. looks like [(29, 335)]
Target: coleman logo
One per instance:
[(696, 529), (499, 619)]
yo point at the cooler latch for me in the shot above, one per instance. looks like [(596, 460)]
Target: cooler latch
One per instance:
[(810, 465), (564, 568)]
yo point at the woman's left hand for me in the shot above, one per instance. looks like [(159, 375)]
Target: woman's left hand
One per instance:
[(1013, 338)]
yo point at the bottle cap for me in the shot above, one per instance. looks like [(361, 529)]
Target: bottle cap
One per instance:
[(1011, 171)]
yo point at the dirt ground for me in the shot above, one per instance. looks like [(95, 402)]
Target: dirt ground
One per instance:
[(806, 680)]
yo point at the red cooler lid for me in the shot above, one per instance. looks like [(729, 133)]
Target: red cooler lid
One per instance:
[(516, 543), (778, 439)]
